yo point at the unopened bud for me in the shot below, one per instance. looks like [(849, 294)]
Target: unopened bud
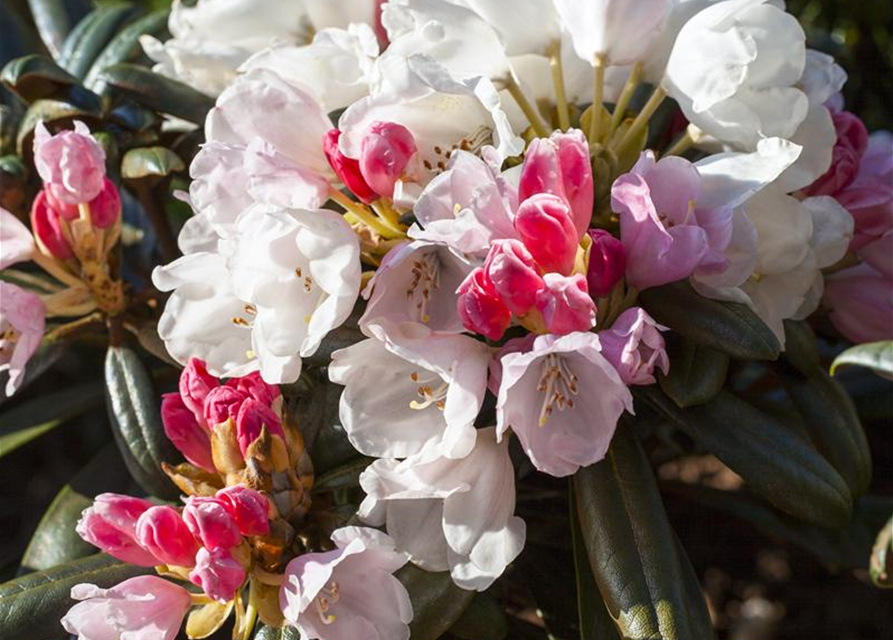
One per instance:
[(218, 573), (249, 509), (480, 307), (607, 263), (162, 532), (210, 521), (46, 223), (514, 275), (565, 304), (546, 228), (347, 169), (385, 153), (184, 431)]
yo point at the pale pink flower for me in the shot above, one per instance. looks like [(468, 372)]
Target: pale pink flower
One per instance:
[(635, 347), (565, 304), (141, 608), (22, 321), (70, 163), (860, 302), (348, 593), (162, 531), (607, 263), (110, 524), (16, 243), (217, 573)]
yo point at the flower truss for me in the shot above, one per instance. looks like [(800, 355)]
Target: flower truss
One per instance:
[(488, 186)]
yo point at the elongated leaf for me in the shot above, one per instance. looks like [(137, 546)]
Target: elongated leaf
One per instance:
[(156, 92), (34, 77), (877, 356), (773, 461), (436, 602), (725, 326), (545, 571), (54, 19), (697, 373), (126, 45), (32, 605), (269, 633), (343, 477), (801, 350), (483, 619), (832, 422), (12, 441), (92, 34), (881, 564), (632, 550), (134, 412)]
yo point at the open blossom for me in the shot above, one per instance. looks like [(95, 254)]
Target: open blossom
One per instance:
[(635, 347), (348, 593), (454, 514), (22, 322), (16, 243), (141, 608), (70, 163), (562, 398)]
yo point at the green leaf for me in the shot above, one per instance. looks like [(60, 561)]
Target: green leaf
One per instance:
[(697, 373), (53, 19), (34, 77), (32, 605), (92, 34), (545, 571), (881, 564), (483, 619), (156, 92), (269, 633), (55, 540), (632, 551), (149, 165), (833, 424), (772, 460), (877, 356), (125, 46), (12, 441), (725, 326), (436, 601), (344, 477), (136, 422), (801, 348)]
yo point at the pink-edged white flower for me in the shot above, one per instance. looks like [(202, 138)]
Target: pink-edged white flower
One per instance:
[(141, 608), (562, 398), (635, 347), (242, 309), (16, 242), (70, 163), (22, 322), (450, 514), (400, 402), (349, 593)]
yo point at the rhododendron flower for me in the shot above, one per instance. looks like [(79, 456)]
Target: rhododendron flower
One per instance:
[(635, 347), (70, 163), (184, 431), (110, 524), (348, 593), (141, 608), (860, 302), (450, 514), (249, 509), (480, 307), (210, 521), (385, 153), (162, 531), (565, 304), (513, 272), (47, 225), (16, 243), (607, 263), (545, 225), (22, 322), (562, 399), (218, 573)]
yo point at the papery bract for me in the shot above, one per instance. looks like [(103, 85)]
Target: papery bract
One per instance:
[(141, 608), (565, 304), (70, 163), (607, 263), (217, 573), (211, 522), (635, 347), (545, 225), (22, 322), (162, 531)]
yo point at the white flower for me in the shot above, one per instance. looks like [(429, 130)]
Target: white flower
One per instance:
[(733, 70), (348, 593), (523, 26), (265, 297), (562, 399), (450, 514), (397, 404)]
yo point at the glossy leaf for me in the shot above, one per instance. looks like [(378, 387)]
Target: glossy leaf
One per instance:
[(150, 164), (269, 633), (877, 356), (881, 564), (34, 77), (436, 601), (545, 571), (697, 373), (125, 46), (134, 411), (631, 547), (483, 619), (343, 477), (32, 605), (54, 20), (801, 348), (773, 461), (156, 92), (725, 326), (92, 34)]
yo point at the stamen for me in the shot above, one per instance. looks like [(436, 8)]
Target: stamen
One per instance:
[(558, 385), (430, 396), (240, 322), (332, 594), (425, 280)]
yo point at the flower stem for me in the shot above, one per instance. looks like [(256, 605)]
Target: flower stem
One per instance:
[(564, 116), (363, 214), (632, 83), (642, 119), (683, 144), (598, 99), (533, 115), (55, 269)]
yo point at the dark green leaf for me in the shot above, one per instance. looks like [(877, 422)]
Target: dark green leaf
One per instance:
[(92, 34), (17, 35), (545, 571), (874, 355), (34, 77), (436, 601), (156, 92), (148, 165), (344, 477), (12, 441), (632, 549), (881, 564), (47, 355), (725, 326), (774, 461), (697, 373), (125, 46), (32, 605), (136, 422), (54, 19), (483, 619), (269, 633), (830, 417), (801, 350)]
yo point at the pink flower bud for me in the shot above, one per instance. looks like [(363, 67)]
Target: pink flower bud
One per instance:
[(222, 403), (255, 387), (195, 385), (249, 508), (347, 169), (545, 226), (110, 524), (217, 573), (47, 227), (560, 165), (565, 304), (105, 208), (71, 163), (253, 416), (184, 431), (514, 275), (481, 309), (607, 263), (210, 521), (635, 347), (385, 152), (852, 142), (162, 531)]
